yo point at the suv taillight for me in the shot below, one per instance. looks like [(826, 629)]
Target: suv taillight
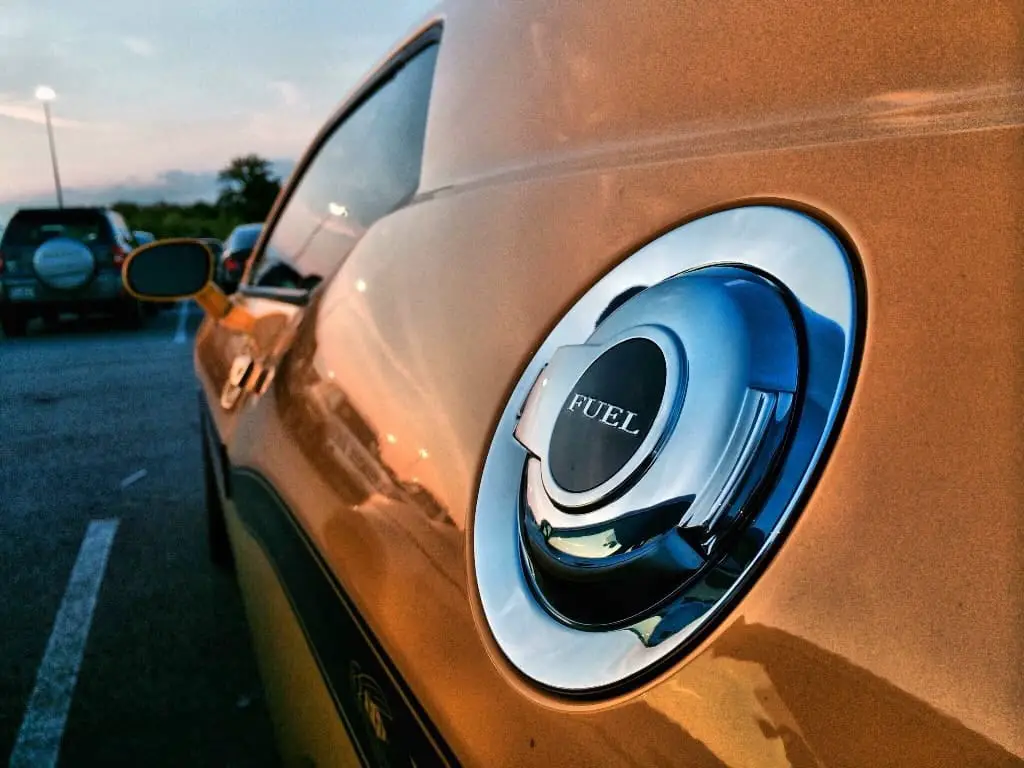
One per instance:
[(119, 255), (2, 264)]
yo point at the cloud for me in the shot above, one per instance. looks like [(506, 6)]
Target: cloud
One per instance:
[(288, 92), (272, 103), (139, 46), (32, 112), (174, 186), (13, 27)]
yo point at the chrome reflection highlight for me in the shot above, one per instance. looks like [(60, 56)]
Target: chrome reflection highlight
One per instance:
[(755, 312)]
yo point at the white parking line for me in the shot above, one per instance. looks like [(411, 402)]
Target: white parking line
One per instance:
[(179, 333), (133, 478), (38, 742)]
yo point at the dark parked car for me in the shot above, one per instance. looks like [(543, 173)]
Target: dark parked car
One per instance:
[(231, 262), (56, 260), (216, 247)]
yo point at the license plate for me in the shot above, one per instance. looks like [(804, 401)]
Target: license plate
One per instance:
[(21, 292)]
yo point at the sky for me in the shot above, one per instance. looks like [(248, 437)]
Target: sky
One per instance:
[(154, 97)]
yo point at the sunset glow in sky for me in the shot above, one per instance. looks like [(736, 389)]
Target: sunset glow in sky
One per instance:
[(153, 98)]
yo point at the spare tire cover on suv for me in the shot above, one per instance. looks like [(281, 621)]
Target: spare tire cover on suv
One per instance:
[(64, 263)]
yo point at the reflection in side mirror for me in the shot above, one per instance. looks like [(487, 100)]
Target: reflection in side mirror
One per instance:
[(168, 270)]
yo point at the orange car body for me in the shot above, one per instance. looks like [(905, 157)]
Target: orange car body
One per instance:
[(560, 138)]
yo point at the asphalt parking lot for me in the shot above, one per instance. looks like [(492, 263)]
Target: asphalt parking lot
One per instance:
[(101, 516)]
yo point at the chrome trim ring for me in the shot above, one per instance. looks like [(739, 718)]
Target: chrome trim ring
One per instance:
[(803, 257)]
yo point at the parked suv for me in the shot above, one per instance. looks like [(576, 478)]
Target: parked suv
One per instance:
[(55, 260)]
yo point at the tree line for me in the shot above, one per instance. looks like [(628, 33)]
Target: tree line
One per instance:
[(247, 190)]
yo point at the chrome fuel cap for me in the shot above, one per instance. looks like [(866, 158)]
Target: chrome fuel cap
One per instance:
[(601, 410), (647, 441), (596, 444), (659, 443)]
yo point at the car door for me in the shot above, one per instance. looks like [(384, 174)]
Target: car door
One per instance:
[(333, 695)]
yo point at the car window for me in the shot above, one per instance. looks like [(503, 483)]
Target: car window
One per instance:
[(367, 168), (33, 228), (243, 237)]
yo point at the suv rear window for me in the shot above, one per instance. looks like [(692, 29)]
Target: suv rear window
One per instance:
[(244, 237), (33, 228)]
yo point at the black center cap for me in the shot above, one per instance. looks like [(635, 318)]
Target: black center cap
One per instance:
[(608, 415)]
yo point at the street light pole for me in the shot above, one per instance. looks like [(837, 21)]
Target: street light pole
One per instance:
[(46, 95)]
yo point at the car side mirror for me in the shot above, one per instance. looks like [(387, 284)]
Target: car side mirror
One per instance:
[(168, 270), (178, 269)]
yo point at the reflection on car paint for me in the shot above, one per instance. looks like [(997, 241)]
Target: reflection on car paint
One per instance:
[(372, 702)]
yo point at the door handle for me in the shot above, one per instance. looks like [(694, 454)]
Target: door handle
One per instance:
[(246, 375), (253, 371)]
